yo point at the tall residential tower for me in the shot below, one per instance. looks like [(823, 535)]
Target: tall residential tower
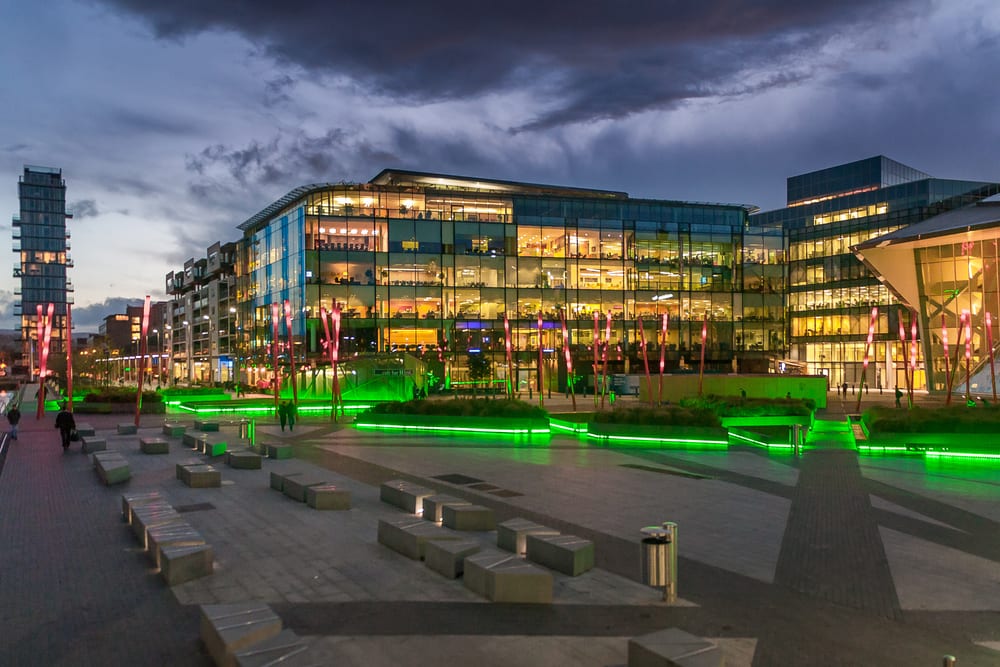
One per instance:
[(42, 243)]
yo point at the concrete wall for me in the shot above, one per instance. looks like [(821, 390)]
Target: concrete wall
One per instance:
[(676, 387)]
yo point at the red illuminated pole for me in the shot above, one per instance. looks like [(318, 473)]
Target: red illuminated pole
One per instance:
[(663, 351), (541, 361), (507, 354), (913, 352), (645, 360), (947, 363), (568, 357), (329, 349), (338, 398), (69, 358), (906, 375), (597, 346), (142, 358), (275, 317), (44, 334), (604, 357), (701, 366), (989, 342), (968, 354), (864, 366), (291, 351)]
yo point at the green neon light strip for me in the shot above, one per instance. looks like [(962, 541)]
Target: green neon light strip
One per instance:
[(750, 440), (633, 438), (572, 429), (453, 429), (880, 448), (270, 409), (961, 455)]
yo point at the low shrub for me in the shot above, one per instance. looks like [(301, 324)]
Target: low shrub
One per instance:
[(951, 419), (474, 407), (642, 415), (193, 391), (120, 395), (737, 406)]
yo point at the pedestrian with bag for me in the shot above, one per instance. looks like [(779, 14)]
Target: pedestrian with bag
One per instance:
[(283, 414), (13, 418), (292, 414), (66, 425)]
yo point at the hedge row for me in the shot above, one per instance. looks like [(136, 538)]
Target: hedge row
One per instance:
[(662, 416), (952, 419), (474, 407), (736, 406)]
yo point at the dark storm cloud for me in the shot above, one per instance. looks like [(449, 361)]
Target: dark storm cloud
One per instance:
[(83, 208), (592, 60), (133, 121), (276, 90), (89, 318)]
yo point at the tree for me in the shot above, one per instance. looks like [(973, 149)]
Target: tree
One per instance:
[(480, 368)]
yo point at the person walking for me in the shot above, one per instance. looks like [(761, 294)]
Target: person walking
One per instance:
[(292, 414), (283, 414), (899, 395), (13, 418), (66, 425)]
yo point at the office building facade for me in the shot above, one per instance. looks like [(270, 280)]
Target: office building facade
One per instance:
[(41, 241)]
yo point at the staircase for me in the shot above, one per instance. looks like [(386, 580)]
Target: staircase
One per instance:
[(832, 434)]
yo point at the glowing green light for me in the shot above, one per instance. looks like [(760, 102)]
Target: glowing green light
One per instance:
[(453, 429), (960, 455), (750, 440), (578, 428), (683, 441)]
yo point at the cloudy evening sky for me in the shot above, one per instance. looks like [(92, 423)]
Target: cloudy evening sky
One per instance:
[(175, 121)]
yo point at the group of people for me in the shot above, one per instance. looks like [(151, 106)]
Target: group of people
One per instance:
[(286, 415), (64, 422)]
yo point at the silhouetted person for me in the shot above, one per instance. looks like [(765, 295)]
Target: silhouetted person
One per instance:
[(899, 395), (13, 418), (292, 413), (66, 425), (283, 414)]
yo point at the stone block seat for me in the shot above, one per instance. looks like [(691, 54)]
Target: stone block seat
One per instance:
[(434, 504), (295, 486), (328, 497), (173, 429), (405, 495), (244, 459), (85, 430), (512, 534), (227, 629), (410, 536), (504, 577), (206, 425), (179, 563), (468, 517), (286, 649), (279, 451), (130, 500), (173, 534), (212, 447), (673, 648), (568, 554), (111, 467), (90, 444), (127, 429), (447, 557), (150, 515), (278, 479), (191, 440), (200, 476), (154, 446)]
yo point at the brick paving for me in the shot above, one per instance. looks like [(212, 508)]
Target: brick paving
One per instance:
[(77, 590)]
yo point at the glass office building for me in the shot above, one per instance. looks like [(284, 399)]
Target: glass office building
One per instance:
[(831, 293), (431, 265), (41, 241)]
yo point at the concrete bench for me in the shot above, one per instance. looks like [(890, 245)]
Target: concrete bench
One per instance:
[(673, 648), (468, 517), (410, 536), (244, 459), (568, 554), (154, 446), (112, 468), (173, 429), (130, 500), (191, 440), (85, 430), (434, 504), (184, 563), (279, 451), (149, 515), (175, 533), (127, 429), (405, 495), (227, 629), (206, 425), (286, 649), (278, 479), (90, 444), (201, 476), (328, 497), (512, 534), (212, 448), (295, 486), (447, 557), (502, 577)]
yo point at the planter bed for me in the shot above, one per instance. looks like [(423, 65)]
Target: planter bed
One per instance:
[(442, 424)]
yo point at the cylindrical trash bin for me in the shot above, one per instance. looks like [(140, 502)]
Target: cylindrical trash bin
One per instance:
[(654, 561), (244, 429)]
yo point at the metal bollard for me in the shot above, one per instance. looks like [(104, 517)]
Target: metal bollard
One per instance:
[(796, 438), (244, 428), (659, 559), (950, 661)]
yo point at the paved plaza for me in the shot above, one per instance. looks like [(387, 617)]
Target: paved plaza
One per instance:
[(823, 559)]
